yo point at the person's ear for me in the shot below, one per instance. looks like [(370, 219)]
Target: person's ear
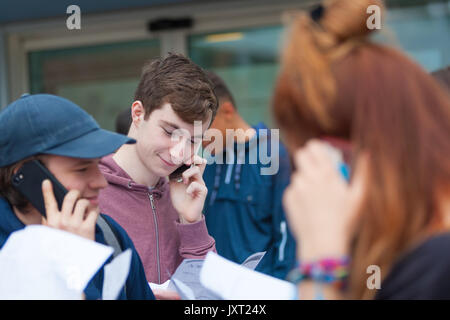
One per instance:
[(16, 168), (137, 112), (228, 110)]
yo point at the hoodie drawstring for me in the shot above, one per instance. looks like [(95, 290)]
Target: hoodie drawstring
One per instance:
[(237, 172), (216, 184)]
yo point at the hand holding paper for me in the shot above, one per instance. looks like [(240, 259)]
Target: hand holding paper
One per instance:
[(39, 262)]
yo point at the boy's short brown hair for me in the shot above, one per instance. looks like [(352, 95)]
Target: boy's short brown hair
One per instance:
[(180, 82)]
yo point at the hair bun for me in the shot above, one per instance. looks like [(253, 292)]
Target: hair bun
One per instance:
[(347, 19)]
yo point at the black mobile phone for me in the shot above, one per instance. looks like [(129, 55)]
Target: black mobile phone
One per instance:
[(28, 181), (176, 175)]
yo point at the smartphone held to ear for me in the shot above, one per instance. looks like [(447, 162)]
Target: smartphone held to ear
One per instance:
[(338, 160), (28, 181), (177, 174)]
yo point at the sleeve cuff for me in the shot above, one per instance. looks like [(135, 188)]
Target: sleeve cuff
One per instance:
[(194, 235)]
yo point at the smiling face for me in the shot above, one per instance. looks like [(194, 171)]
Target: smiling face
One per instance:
[(164, 140), (77, 174)]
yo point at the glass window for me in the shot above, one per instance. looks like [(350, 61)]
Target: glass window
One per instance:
[(101, 79), (423, 31), (247, 60)]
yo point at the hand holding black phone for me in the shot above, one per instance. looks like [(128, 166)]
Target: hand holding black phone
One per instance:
[(177, 174), (28, 181)]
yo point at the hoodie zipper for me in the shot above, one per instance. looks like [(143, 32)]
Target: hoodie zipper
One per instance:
[(158, 267)]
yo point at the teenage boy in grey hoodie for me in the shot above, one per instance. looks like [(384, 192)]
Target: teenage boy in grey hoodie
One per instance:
[(164, 219)]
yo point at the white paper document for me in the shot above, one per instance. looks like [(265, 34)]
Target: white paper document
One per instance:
[(39, 262), (162, 286), (115, 275), (231, 281), (216, 278), (185, 292), (252, 261), (186, 281)]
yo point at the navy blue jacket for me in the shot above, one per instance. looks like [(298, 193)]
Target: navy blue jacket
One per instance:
[(421, 273), (243, 209), (137, 287)]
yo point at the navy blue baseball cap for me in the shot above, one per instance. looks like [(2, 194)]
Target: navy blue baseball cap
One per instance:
[(48, 124)]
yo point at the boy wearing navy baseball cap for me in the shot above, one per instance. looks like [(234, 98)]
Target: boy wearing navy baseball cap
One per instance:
[(69, 143)]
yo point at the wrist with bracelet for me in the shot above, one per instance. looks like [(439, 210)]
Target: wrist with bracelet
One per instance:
[(325, 271)]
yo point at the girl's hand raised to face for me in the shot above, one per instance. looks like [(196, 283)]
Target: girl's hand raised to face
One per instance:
[(321, 207)]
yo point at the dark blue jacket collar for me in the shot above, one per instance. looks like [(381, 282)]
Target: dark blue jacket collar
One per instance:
[(8, 221), (259, 135), (137, 283), (260, 125)]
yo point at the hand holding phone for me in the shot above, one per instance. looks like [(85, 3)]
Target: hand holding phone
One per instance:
[(318, 201), (177, 175), (338, 161), (75, 216), (28, 181), (189, 193), (61, 209)]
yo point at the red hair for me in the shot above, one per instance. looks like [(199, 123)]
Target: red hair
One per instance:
[(335, 82)]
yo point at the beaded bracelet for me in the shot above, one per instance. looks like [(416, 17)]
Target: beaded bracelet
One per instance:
[(328, 271)]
